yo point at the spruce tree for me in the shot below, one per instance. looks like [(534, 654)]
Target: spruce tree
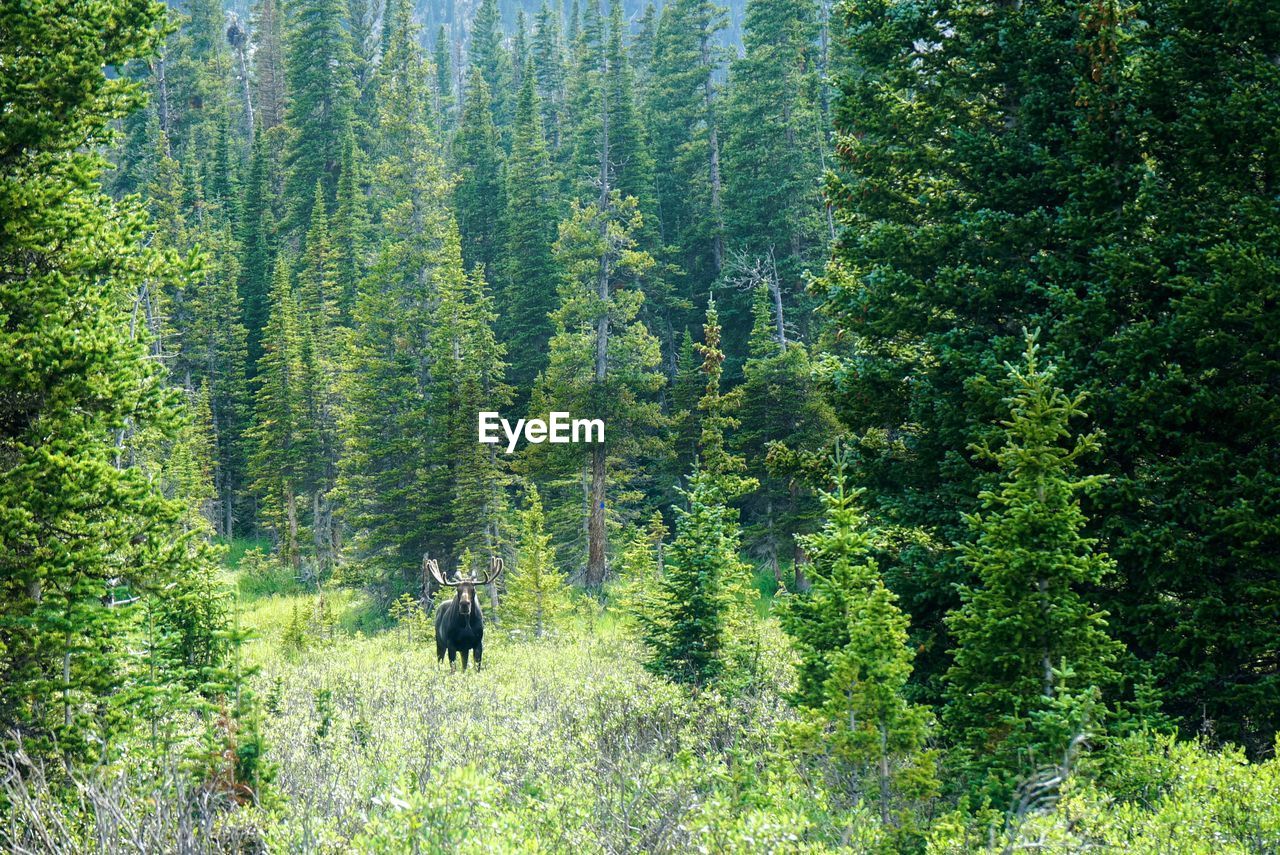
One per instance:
[(855, 661), (445, 100), (784, 415), (269, 64), (393, 481), (257, 243), (491, 62), (320, 66), (603, 362), (75, 512), (772, 149), (480, 194), (538, 596), (1031, 650), (684, 132), (320, 341), (467, 377), (549, 73), (699, 625), (350, 229), (529, 294), (282, 441)]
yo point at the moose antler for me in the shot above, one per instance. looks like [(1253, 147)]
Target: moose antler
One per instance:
[(434, 567), (495, 570)]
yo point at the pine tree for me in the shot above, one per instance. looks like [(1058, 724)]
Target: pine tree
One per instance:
[(686, 628), (393, 482), (529, 294), (214, 356), (684, 131), (350, 229), (480, 194), (700, 624), (268, 64), (257, 242), (538, 595), (1026, 637), (320, 65), (78, 384), (603, 360), (445, 101), (772, 148), (280, 435), (784, 414), (467, 371), (549, 72), (686, 389), (490, 60), (319, 351), (854, 664)]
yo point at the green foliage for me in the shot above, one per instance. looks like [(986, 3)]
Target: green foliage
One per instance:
[(83, 407), (603, 364), (854, 666), (774, 138), (683, 133), (1156, 793), (538, 596), (641, 563), (456, 815), (395, 435), (409, 614), (530, 273), (1059, 167), (785, 422), (700, 624), (479, 197), (320, 68), (282, 439), (1030, 648)]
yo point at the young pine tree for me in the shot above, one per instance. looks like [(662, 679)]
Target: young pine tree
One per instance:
[(280, 435), (854, 664), (1031, 650), (538, 596), (700, 627)]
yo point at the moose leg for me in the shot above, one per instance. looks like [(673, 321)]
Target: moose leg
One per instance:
[(439, 654), (479, 653), (452, 660), (465, 654)]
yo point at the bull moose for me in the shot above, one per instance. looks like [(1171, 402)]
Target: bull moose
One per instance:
[(459, 623)]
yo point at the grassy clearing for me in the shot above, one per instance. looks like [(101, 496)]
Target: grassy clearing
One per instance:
[(569, 744)]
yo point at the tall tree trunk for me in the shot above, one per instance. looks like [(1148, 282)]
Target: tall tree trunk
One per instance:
[(596, 533), (713, 157), (245, 88), (775, 291), (291, 524)]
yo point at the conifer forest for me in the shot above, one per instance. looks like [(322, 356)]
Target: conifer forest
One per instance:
[(935, 349)]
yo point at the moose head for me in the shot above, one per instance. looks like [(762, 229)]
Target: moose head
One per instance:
[(459, 622), (465, 588)]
